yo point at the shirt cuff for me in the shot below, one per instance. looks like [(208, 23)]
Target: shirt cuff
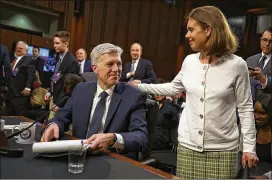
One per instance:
[(48, 94), (128, 75), (119, 144), (268, 174), (28, 89)]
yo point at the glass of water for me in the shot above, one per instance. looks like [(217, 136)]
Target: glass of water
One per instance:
[(76, 161)]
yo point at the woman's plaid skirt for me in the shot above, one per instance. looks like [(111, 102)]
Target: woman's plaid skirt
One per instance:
[(206, 165)]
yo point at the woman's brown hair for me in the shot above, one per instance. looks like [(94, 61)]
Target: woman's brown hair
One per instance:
[(222, 41)]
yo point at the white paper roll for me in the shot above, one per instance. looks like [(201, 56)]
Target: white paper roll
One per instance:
[(58, 146)]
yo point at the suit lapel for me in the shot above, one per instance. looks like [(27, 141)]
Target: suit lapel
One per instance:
[(86, 109), (20, 62), (139, 66), (115, 100), (63, 62), (267, 68)]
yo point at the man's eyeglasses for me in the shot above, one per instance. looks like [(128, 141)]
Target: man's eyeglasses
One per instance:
[(266, 40)]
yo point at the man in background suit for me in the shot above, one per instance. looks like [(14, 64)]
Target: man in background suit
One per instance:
[(139, 70), (21, 81), (107, 113), (5, 72), (261, 63), (39, 63), (66, 63), (84, 63)]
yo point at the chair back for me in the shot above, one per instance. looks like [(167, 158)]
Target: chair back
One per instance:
[(151, 119), (88, 76)]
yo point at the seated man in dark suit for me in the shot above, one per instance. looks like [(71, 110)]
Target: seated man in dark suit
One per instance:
[(138, 70), (84, 63), (107, 113)]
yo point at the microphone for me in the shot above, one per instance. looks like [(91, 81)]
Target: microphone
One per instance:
[(40, 119)]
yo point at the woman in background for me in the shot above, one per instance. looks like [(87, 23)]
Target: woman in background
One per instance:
[(263, 119), (216, 83), (70, 82), (166, 122), (38, 106)]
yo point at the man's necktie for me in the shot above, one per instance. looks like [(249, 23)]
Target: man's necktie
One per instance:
[(97, 115), (255, 84), (13, 63), (132, 69), (132, 66), (261, 62), (58, 65)]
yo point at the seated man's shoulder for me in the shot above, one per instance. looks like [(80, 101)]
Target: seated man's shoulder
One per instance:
[(84, 85), (133, 91)]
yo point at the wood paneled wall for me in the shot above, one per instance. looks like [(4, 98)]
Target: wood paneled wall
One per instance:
[(65, 8), (153, 23)]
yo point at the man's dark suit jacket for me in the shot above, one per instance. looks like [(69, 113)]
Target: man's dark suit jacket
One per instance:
[(126, 114), (69, 64), (253, 61), (39, 63), (87, 66), (144, 72), (24, 78), (4, 62)]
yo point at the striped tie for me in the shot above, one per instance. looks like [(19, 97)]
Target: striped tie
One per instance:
[(97, 115)]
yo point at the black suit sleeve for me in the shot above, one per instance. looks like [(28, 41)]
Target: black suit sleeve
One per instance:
[(7, 66), (31, 74), (150, 74), (137, 137), (74, 68)]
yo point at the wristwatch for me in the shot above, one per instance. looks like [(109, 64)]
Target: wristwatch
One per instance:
[(115, 139)]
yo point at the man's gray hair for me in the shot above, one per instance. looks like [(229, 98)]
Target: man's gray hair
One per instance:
[(105, 48), (22, 42)]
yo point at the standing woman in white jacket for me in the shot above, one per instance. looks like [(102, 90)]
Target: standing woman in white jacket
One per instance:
[(216, 83)]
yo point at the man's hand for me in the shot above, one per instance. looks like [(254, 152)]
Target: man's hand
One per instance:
[(132, 74), (55, 109), (251, 158), (25, 92), (52, 131), (136, 82), (258, 74), (100, 142)]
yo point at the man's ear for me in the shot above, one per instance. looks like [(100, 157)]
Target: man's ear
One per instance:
[(94, 67)]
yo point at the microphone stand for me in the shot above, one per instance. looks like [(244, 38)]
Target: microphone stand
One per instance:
[(40, 119)]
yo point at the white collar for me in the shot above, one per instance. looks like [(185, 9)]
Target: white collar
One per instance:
[(100, 90), (268, 56), (137, 60), (81, 62)]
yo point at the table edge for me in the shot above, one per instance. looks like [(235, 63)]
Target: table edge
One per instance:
[(112, 154)]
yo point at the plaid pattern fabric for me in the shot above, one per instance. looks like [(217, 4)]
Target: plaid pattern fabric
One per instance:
[(206, 165)]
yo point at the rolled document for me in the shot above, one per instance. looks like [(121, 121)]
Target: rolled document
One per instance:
[(58, 146)]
